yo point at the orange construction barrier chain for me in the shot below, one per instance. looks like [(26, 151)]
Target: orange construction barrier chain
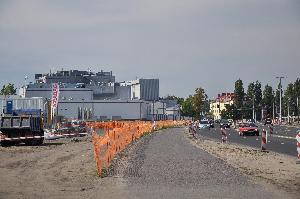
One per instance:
[(117, 135)]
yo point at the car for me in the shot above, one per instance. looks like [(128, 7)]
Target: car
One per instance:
[(217, 121), (212, 124), (268, 121), (248, 128), (230, 121), (224, 123), (204, 124), (250, 121)]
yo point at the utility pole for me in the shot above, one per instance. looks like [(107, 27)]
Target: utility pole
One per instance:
[(280, 96), (298, 108), (273, 110), (153, 111), (253, 117), (219, 109), (288, 110)]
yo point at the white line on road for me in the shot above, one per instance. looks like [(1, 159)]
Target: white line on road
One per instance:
[(280, 136)]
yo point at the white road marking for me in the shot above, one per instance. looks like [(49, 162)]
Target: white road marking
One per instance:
[(286, 137)]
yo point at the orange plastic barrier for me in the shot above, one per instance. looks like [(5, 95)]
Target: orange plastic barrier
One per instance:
[(117, 135)]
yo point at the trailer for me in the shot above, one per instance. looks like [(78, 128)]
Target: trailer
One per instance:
[(23, 126)]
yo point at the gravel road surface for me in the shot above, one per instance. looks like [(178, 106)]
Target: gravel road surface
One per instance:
[(166, 165), (162, 165)]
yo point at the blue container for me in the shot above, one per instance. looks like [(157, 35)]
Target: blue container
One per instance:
[(9, 107)]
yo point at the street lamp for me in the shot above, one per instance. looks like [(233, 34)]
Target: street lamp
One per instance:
[(83, 111), (298, 108), (253, 111), (280, 96)]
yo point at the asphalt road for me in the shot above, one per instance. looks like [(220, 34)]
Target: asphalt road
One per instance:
[(167, 165), (282, 141)]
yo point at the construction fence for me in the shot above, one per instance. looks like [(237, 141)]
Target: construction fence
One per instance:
[(109, 138)]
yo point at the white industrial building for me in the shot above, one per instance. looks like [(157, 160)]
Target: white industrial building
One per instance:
[(97, 109), (88, 95), (105, 109), (64, 94), (86, 85), (143, 89)]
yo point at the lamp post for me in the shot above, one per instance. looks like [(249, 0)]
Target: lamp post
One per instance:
[(288, 110), (280, 96), (273, 110), (153, 111), (219, 109), (298, 108), (83, 111), (253, 113)]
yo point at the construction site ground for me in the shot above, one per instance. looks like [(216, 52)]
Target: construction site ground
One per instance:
[(166, 164)]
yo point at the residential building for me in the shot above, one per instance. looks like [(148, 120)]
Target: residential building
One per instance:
[(219, 104)]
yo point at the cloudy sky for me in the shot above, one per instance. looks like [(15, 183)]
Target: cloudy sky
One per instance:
[(186, 44)]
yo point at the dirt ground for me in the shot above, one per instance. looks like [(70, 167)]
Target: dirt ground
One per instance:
[(267, 168), (62, 168)]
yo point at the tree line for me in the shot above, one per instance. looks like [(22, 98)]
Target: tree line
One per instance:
[(248, 102), (195, 105), (251, 102)]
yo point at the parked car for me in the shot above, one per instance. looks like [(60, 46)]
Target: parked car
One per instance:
[(224, 123), (204, 124), (248, 128)]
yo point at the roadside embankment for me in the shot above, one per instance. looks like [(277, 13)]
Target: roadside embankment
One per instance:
[(263, 167)]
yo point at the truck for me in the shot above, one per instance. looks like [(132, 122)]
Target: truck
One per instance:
[(22, 126)]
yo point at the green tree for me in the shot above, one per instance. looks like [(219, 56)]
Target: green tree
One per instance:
[(8, 90), (258, 99), (239, 94), (248, 105), (230, 112), (297, 96), (289, 100), (268, 99), (250, 90), (187, 107), (173, 97), (199, 102)]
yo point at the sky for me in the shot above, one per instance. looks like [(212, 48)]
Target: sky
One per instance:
[(186, 44)]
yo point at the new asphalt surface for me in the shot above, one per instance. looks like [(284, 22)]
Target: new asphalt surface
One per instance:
[(282, 140)]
